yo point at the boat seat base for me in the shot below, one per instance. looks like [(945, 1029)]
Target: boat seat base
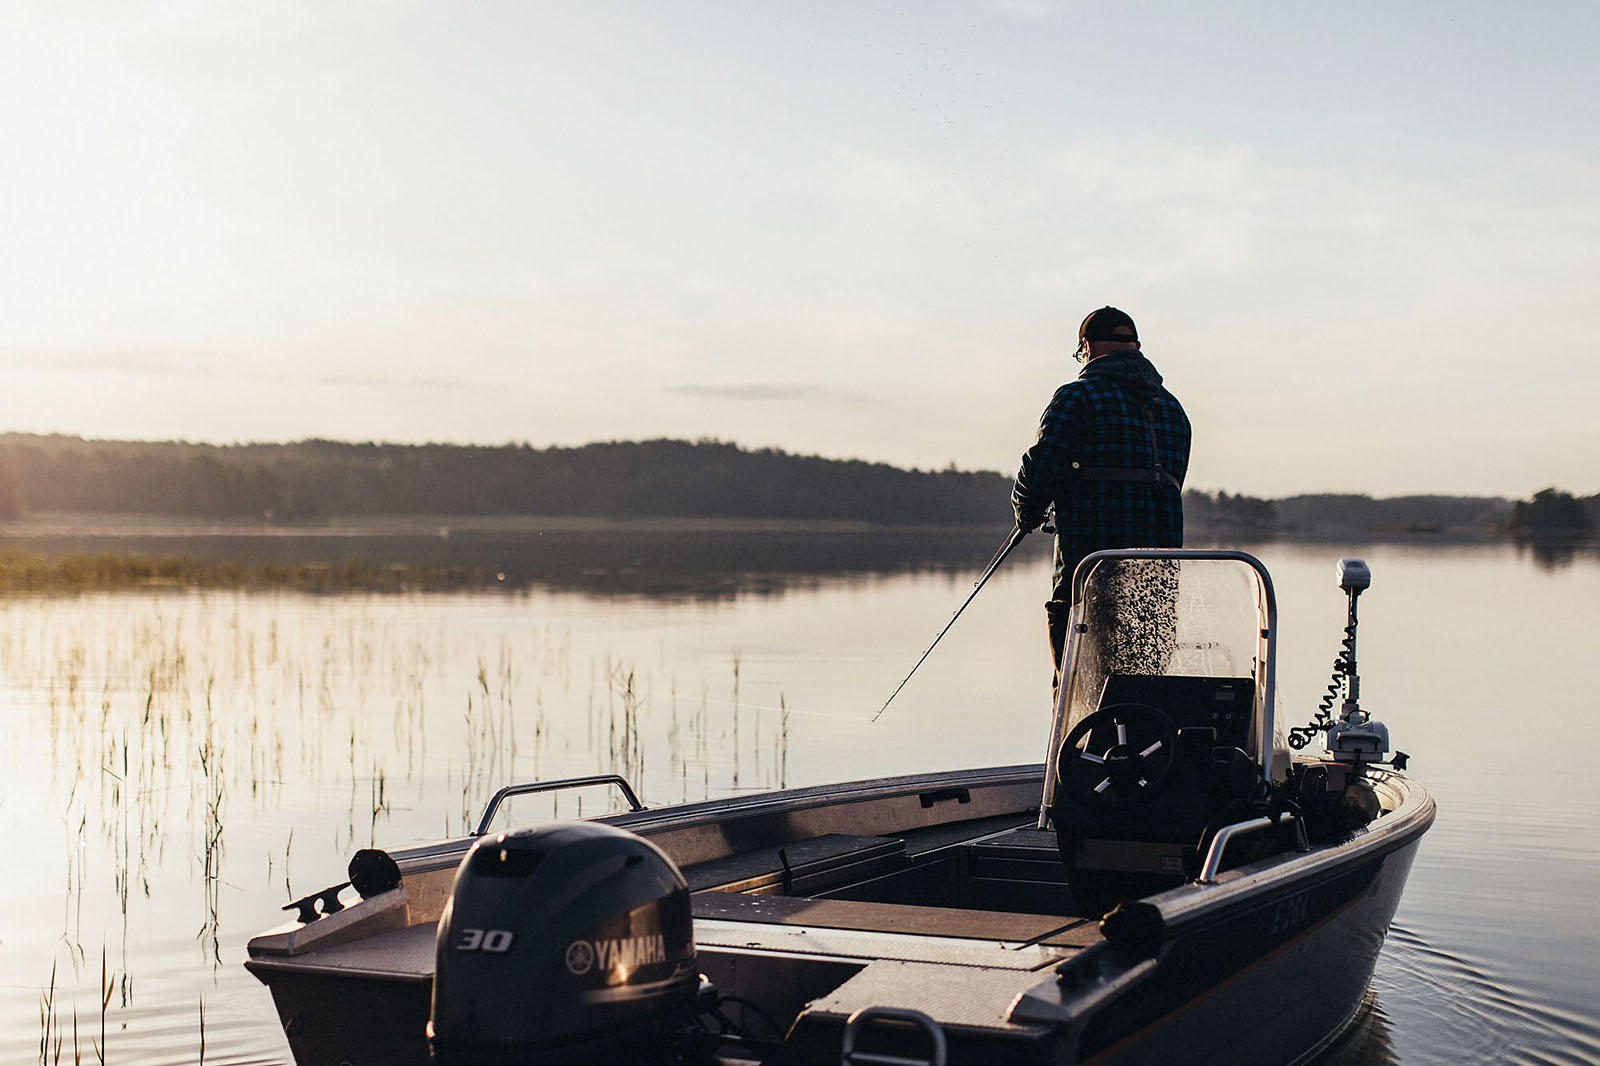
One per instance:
[(805, 867)]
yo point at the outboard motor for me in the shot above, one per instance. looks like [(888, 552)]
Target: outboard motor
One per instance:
[(569, 943)]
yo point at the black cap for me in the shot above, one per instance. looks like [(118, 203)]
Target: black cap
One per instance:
[(1108, 324)]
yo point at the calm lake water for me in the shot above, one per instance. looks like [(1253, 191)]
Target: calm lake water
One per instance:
[(176, 765)]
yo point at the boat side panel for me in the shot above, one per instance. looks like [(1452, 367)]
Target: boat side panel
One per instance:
[(1298, 965), (344, 1021)]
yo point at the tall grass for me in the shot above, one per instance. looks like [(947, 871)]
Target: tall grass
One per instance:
[(201, 757), (24, 571)]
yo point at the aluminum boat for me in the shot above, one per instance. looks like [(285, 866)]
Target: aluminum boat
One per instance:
[(1177, 881)]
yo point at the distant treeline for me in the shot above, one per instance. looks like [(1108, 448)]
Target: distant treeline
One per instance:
[(1555, 515), (1551, 513), (311, 480), (1353, 513), (314, 479)]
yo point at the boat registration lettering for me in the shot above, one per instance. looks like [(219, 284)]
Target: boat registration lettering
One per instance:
[(494, 941), (1290, 913)]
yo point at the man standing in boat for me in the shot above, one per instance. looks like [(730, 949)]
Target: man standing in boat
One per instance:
[(1111, 455)]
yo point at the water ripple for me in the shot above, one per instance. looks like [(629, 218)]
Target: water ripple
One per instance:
[(1429, 1005)]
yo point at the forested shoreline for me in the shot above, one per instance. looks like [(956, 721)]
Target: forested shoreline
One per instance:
[(314, 481)]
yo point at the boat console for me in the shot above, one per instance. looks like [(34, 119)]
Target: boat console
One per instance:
[(1163, 719), (1221, 704)]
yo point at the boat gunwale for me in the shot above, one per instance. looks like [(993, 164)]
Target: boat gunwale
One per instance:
[(702, 813), (1191, 905), (1178, 906)]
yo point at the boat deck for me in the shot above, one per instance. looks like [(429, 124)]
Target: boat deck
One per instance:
[(893, 918), (958, 921), (399, 955)]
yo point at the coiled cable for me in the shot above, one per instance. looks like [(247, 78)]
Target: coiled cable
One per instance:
[(1322, 721)]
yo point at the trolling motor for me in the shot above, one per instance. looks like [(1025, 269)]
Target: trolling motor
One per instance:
[(1355, 737), (1333, 796)]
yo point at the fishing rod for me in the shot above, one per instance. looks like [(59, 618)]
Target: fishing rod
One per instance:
[(994, 564)]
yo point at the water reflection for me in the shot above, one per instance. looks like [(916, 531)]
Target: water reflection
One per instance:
[(610, 560), (1368, 1041), (1557, 554)]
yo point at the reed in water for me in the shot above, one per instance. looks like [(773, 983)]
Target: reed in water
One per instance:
[(187, 742)]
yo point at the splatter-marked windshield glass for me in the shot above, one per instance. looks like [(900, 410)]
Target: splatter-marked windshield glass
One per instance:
[(1189, 617)]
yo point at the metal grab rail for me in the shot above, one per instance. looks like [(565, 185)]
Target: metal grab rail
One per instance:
[(1219, 843), (849, 1056), (556, 786)]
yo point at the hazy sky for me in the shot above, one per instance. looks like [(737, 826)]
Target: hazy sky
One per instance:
[(1359, 239)]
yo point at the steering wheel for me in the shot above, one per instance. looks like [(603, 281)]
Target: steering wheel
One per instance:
[(1129, 773)]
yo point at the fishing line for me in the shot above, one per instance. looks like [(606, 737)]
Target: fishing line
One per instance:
[(1012, 541), (771, 710)]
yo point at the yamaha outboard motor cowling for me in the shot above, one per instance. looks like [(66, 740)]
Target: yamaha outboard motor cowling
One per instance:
[(567, 943)]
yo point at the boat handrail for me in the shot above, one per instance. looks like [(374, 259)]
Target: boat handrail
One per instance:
[(528, 787), (1219, 843), (849, 1056)]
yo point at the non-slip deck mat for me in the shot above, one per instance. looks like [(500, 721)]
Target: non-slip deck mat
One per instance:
[(951, 997), (1028, 841), (882, 917)]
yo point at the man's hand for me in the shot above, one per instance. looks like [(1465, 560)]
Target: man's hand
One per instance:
[(1029, 523)]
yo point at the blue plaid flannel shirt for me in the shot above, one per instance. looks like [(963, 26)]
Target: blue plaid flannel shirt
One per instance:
[(1099, 421)]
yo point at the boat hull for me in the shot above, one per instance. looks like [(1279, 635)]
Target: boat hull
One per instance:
[(1267, 963), (1297, 965), (360, 1020)]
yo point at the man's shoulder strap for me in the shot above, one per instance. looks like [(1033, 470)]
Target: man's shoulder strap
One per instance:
[(1154, 474)]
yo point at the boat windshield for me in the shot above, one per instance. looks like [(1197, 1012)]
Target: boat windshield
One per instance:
[(1143, 615)]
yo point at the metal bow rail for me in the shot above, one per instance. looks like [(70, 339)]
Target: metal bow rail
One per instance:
[(555, 786)]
